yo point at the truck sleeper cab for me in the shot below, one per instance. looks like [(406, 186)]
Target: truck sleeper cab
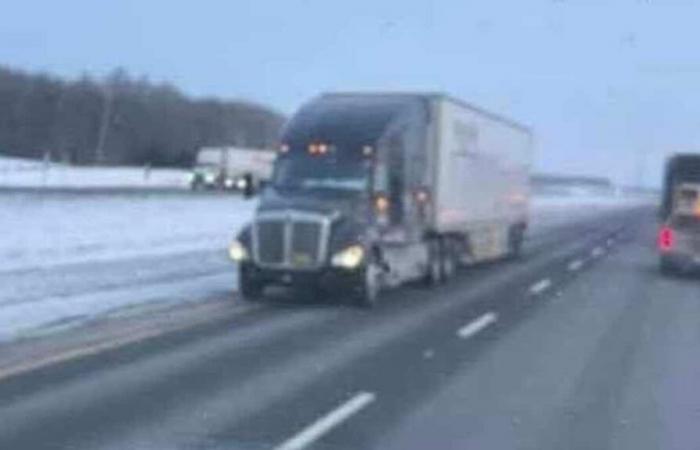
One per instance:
[(372, 190)]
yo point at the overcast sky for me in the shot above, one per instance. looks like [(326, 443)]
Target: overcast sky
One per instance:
[(600, 82)]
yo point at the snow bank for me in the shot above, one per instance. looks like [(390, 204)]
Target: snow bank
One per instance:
[(25, 173), (41, 231)]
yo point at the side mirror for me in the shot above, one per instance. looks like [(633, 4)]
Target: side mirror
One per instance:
[(249, 189)]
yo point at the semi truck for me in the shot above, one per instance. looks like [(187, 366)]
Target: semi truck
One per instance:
[(371, 190), (679, 233), (231, 168)]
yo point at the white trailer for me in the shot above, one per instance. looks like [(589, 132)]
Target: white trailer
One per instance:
[(230, 167), (481, 165)]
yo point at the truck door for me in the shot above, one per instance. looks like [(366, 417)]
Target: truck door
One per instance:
[(396, 180)]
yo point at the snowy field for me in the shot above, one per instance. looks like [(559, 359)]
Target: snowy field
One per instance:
[(69, 258), (27, 173)]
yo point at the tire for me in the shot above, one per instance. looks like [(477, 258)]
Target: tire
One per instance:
[(250, 289), (516, 236), (448, 261), (433, 275), (369, 285), (667, 267)]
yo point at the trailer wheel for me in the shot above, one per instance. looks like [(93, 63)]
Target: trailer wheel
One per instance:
[(369, 285), (433, 274), (250, 289), (448, 261), (516, 235)]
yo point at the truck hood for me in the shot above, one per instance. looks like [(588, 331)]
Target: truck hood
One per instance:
[(317, 201)]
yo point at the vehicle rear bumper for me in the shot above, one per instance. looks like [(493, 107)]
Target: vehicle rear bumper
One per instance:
[(684, 261)]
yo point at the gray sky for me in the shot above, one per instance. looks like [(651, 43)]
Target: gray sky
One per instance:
[(600, 81)]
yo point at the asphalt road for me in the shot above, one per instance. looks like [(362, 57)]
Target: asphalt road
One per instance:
[(582, 344)]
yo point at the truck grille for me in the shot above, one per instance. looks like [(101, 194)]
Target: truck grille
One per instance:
[(271, 242), (294, 241)]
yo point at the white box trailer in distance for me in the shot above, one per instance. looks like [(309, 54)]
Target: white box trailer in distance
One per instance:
[(228, 167), (370, 190)]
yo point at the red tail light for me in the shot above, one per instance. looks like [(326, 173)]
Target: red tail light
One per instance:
[(666, 239)]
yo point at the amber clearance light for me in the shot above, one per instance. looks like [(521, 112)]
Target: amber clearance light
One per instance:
[(381, 204)]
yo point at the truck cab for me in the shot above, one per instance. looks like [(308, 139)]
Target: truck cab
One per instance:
[(342, 186)]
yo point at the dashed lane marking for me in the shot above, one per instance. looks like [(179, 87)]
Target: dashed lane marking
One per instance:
[(323, 425), (540, 286), (477, 325), (575, 265)]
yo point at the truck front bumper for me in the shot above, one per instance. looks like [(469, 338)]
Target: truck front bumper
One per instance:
[(326, 278)]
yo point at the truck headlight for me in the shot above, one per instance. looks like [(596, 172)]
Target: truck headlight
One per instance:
[(349, 258), (237, 251), (209, 177)]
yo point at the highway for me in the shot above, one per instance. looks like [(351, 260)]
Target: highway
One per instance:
[(581, 344)]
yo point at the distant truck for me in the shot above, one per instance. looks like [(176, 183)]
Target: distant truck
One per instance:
[(372, 190), (231, 168), (679, 233)]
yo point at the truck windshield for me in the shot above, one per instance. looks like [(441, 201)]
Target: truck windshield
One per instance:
[(320, 173)]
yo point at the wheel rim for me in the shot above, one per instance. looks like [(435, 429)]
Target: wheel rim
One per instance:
[(449, 266), (371, 283), (435, 271)]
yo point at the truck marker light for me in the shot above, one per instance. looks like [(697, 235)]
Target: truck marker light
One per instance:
[(422, 196), (666, 238), (381, 203)]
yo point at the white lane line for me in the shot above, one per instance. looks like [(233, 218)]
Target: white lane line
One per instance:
[(477, 325), (596, 252), (540, 286), (323, 425), (575, 265)]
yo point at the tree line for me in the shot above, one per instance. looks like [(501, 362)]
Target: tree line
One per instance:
[(121, 120)]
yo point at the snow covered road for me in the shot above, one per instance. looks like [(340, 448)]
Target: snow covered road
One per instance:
[(67, 258)]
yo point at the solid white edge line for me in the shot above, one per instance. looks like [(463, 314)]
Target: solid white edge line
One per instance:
[(575, 265), (541, 286), (323, 425), (477, 325)]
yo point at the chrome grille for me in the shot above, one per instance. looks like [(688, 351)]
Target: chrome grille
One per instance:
[(305, 244), (291, 240), (270, 241)]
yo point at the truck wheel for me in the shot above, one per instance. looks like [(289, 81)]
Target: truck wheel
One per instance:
[(433, 274), (369, 285), (447, 260), (667, 267), (250, 289), (515, 241)]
